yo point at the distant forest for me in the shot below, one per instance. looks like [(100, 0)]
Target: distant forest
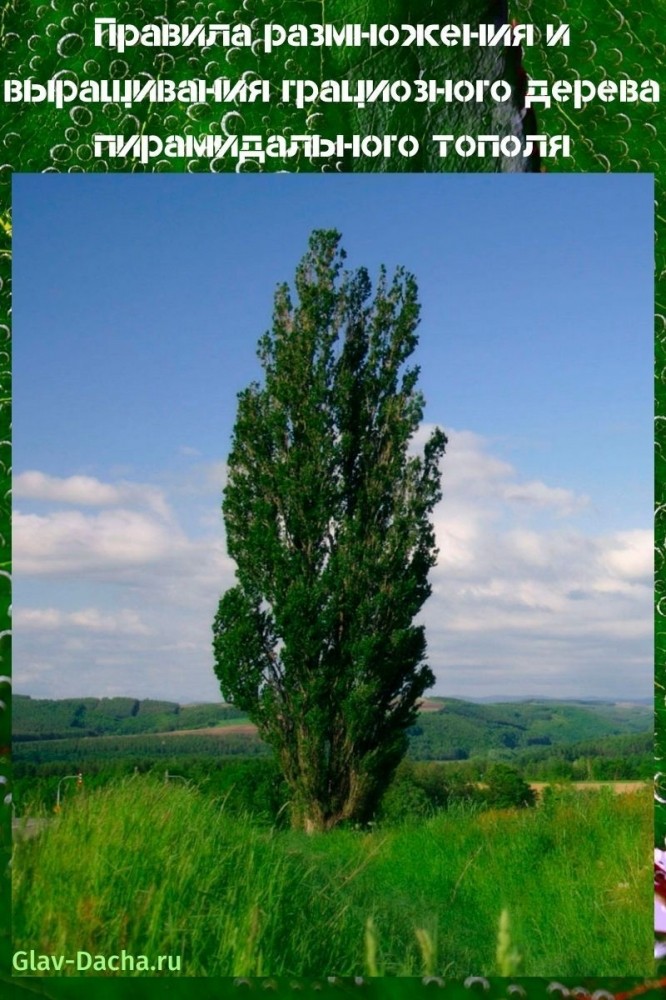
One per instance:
[(46, 719), (544, 739)]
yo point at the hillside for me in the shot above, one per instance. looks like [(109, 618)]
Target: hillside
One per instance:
[(45, 719), (446, 729), (462, 729)]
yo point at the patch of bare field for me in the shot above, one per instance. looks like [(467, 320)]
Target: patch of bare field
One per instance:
[(619, 787), (234, 727), (426, 705)]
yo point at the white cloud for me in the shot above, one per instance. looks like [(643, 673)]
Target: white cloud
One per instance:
[(516, 607), (37, 618), (539, 496), (87, 491), (471, 471), (71, 542), (458, 540), (630, 555), (159, 644), (524, 601), (124, 622)]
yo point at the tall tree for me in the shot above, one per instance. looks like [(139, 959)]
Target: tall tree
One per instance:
[(327, 516)]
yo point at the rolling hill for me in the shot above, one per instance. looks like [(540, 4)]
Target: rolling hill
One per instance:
[(446, 729)]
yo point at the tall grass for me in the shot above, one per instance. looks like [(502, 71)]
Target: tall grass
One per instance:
[(161, 869)]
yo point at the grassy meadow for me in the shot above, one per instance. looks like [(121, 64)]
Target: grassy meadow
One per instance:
[(156, 868)]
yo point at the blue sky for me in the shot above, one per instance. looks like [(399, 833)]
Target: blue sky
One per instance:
[(138, 302)]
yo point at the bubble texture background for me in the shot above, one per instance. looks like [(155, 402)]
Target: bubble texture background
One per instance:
[(46, 39), (56, 38), (613, 41)]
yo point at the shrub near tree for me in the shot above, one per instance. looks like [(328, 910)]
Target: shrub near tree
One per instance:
[(327, 512), (419, 790), (404, 801), (506, 788)]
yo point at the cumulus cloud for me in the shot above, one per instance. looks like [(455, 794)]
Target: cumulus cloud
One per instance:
[(124, 622), (71, 542), (144, 625), (524, 600), (87, 491), (630, 556), (473, 472), (532, 607), (539, 496)]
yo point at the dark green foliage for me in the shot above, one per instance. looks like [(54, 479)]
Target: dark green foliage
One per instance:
[(156, 747), (151, 707), (506, 788), (38, 717), (327, 517), (116, 708), (44, 718), (628, 756), (255, 787), (461, 728), (404, 800), (250, 786), (420, 790)]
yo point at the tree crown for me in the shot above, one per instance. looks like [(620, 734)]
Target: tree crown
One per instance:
[(327, 512)]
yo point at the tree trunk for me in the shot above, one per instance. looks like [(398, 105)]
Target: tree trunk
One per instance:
[(314, 816)]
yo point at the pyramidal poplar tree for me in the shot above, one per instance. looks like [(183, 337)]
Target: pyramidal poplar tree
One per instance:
[(327, 513)]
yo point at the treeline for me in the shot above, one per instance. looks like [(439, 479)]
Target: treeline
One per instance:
[(461, 730), (457, 731), (107, 749), (626, 755), (41, 719), (255, 786)]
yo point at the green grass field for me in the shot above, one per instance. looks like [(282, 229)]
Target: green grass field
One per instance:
[(161, 869)]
